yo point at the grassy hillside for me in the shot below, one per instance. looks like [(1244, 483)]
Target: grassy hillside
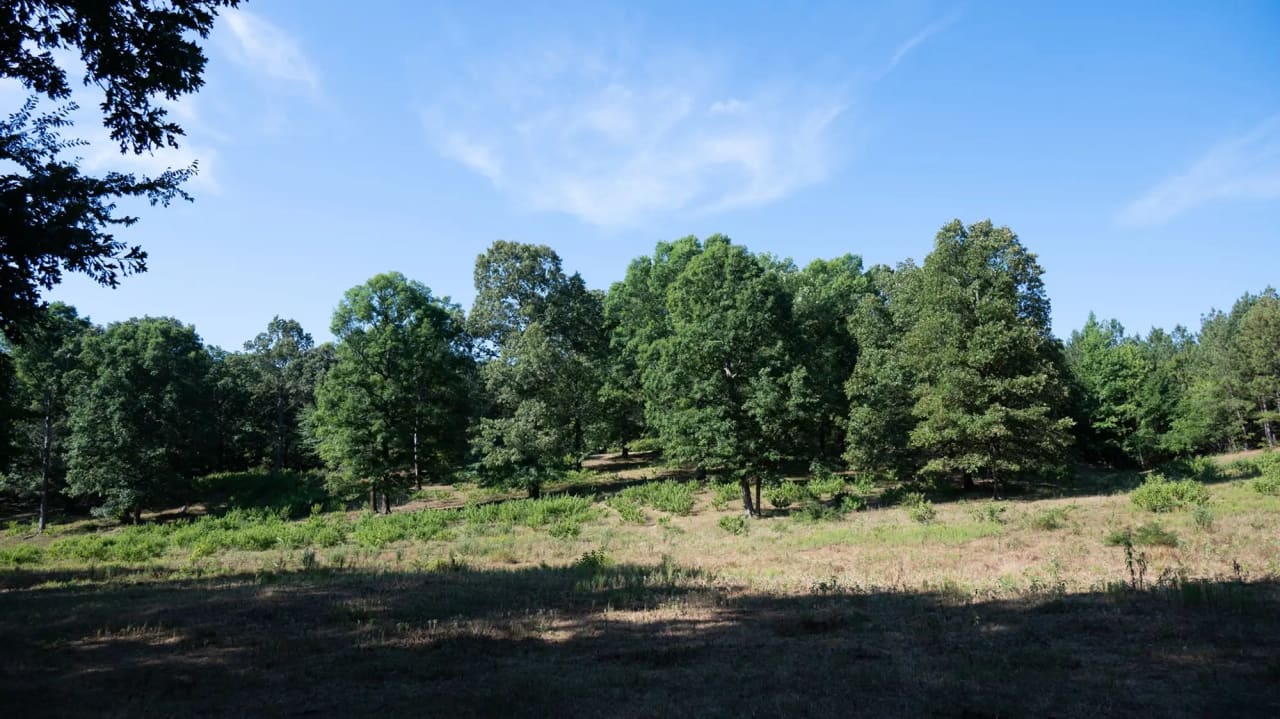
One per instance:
[(636, 594)]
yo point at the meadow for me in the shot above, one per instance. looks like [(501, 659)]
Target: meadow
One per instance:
[(629, 589)]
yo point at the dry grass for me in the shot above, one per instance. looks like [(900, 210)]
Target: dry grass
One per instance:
[(871, 614)]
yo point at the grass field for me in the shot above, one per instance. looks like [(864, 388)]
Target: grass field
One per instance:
[(634, 593)]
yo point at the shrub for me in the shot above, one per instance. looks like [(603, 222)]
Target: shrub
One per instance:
[(1151, 534), (564, 529), (1267, 484), (594, 560), (20, 555), (292, 493), (135, 544), (1202, 515), (918, 507), (822, 481), (629, 510), (786, 493), (1049, 519), (992, 512), (1158, 494), (667, 496), (725, 492), (733, 524)]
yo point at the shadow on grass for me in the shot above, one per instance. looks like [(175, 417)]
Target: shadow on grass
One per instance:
[(641, 641)]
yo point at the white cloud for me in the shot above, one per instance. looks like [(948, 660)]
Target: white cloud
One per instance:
[(261, 47), (916, 40), (611, 142), (1246, 167)]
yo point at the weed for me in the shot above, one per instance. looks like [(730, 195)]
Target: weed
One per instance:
[(733, 524)]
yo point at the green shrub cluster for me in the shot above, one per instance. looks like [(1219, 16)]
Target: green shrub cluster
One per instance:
[(1152, 534), (733, 524), (292, 493), (666, 496), (1159, 494), (20, 555), (1049, 519), (919, 508)]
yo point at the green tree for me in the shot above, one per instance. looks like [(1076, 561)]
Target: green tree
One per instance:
[(138, 422), (880, 387), (1110, 370), (53, 218), (827, 295), (47, 364), (990, 398), (284, 385), (722, 389), (544, 331), (394, 404), (1258, 346), (636, 317)]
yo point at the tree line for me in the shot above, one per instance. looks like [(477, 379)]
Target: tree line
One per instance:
[(727, 361)]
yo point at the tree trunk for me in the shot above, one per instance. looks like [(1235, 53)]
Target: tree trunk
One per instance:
[(995, 485), (625, 452), (277, 461), (746, 497), (535, 490), (45, 459), (1266, 425), (373, 500), (700, 474), (417, 478), (968, 482), (759, 505), (137, 515)]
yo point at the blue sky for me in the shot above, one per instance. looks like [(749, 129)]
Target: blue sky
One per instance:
[(1134, 146)]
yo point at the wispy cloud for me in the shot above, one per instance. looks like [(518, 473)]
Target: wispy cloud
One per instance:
[(263, 48), (1245, 167), (917, 40), (611, 142), (622, 129)]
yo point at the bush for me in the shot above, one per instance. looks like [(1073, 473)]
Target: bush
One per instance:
[(733, 524), (1158, 494), (1202, 515), (785, 494), (20, 555), (992, 512), (292, 493), (667, 496), (918, 507), (1049, 519), (823, 482), (134, 544), (564, 529), (1152, 534), (722, 493), (629, 510), (1267, 484)]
